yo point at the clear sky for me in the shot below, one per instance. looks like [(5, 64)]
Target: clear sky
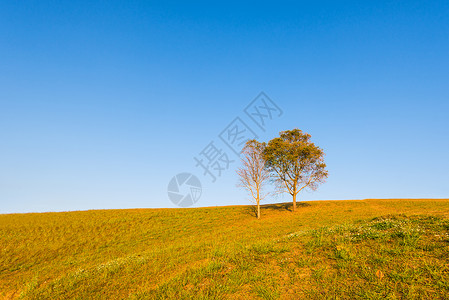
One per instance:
[(102, 103)]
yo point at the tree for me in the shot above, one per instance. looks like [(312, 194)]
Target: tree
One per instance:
[(253, 175), (295, 162)]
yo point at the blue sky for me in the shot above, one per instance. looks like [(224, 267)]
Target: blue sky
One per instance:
[(101, 104)]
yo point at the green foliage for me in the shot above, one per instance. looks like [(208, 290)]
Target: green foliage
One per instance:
[(295, 162)]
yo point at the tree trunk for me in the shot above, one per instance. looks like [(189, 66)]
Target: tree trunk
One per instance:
[(294, 202), (258, 203)]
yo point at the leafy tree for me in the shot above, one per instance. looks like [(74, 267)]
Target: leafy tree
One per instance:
[(253, 175), (295, 162)]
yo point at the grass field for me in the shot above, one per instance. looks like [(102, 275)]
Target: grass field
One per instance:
[(369, 249)]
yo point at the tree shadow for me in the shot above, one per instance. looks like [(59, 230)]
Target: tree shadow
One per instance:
[(288, 206), (284, 206), (252, 210)]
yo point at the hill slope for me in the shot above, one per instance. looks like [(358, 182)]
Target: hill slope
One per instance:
[(346, 249)]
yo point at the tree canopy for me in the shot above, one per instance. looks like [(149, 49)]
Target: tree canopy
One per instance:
[(295, 162)]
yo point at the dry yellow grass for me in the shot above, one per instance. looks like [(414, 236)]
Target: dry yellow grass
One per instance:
[(393, 248)]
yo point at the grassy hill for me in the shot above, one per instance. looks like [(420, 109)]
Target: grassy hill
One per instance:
[(327, 249)]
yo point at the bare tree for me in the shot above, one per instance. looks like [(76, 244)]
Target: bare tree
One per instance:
[(252, 174)]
